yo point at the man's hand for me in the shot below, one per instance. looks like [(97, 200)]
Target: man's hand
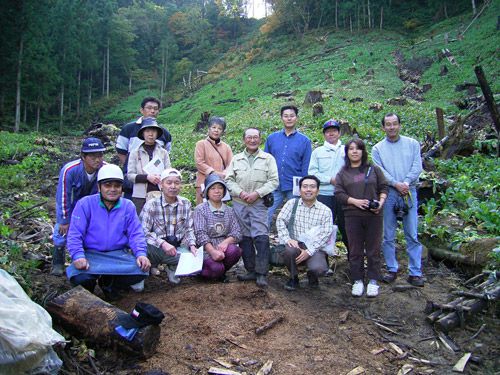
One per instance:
[(143, 263), (169, 249), (244, 195), (154, 178), (81, 264), (193, 249), (293, 243), (303, 256), (402, 187), (252, 197), (63, 229)]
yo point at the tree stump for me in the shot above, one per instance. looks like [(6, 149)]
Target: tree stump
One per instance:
[(87, 316), (203, 123), (345, 128), (397, 101), (313, 96), (317, 109)]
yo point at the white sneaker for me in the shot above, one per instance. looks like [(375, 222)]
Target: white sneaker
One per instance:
[(139, 287), (358, 288), (171, 276), (372, 290)]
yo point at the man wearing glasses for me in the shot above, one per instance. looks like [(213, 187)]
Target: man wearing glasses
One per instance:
[(252, 175), (77, 179), (128, 140)]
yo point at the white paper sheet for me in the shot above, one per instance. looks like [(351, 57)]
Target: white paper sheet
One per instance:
[(189, 264), (155, 166)]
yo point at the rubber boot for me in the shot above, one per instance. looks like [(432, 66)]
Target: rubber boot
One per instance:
[(262, 259), (248, 255), (58, 257)]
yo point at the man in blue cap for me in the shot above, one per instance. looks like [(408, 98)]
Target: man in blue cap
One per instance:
[(77, 179)]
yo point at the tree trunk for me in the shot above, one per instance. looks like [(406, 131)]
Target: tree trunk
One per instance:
[(445, 10), (61, 113), (369, 14), (107, 70), (336, 14), (358, 16), (381, 17), (473, 7), (25, 115), (130, 83), (88, 316), (90, 90), (37, 126), (78, 87), (17, 120), (350, 22), (104, 73)]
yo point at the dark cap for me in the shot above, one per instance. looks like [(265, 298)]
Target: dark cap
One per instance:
[(92, 145), (331, 124), (143, 315), (149, 123), (212, 179)]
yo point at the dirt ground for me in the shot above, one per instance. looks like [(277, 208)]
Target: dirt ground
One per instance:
[(325, 331)]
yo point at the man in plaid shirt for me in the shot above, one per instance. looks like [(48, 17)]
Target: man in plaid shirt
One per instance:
[(310, 213), (168, 225)]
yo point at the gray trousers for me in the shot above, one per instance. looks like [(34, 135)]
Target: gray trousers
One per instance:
[(157, 256), (252, 218), (317, 263)]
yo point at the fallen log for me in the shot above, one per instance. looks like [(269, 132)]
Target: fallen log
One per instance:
[(86, 315), (268, 325), (455, 318)]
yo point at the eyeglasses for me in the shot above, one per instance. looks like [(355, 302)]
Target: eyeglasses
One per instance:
[(151, 108), (309, 186), (252, 137)]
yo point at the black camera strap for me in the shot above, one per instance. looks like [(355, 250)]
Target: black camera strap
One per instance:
[(366, 180), (174, 220)]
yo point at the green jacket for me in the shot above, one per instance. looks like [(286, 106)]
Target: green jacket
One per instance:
[(251, 173)]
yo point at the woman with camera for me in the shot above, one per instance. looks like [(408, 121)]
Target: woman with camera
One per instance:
[(217, 230), (361, 188)]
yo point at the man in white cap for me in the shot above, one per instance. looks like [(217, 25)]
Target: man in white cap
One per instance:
[(168, 225), (105, 239), (77, 179)]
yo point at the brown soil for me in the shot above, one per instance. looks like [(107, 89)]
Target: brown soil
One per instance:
[(206, 322)]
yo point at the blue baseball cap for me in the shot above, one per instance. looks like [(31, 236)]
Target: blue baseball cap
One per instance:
[(92, 145), (331, 124)]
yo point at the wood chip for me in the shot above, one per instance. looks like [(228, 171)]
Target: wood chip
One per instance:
[(242, 346), (266, 369), (222, 362), (462, 362), (447, 342), (406, 369), (385, 328), (356, 371), (396, 348), (343, 316), (377, 351), (222, 371)]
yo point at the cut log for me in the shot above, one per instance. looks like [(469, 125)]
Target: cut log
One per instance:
[(266, 369), (86, 315), (268, 325)]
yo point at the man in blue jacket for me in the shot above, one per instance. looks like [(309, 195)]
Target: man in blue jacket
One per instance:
[(105, 240), (77, 179), (292, 151)]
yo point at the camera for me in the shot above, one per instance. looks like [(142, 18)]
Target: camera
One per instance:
[(400, 209), (373, 204), (172, 240)]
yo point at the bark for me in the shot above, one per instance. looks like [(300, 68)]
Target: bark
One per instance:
[(37, 126), (473, 7), (107, 70), (18, 85), (25, 115), (381, 17), (130, 83), (369, 14), (336, 14), (90, 90), (350, 23), (61, 110), (104, 73), (87, 316), (78, 87)]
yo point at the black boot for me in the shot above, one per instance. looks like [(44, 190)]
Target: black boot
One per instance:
[(262, 259), (58, 258), (248, 255)]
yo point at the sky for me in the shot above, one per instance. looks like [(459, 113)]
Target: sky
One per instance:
[(255, 9)]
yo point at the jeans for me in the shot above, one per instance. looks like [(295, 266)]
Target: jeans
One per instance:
[(410, 227), (279, 198)]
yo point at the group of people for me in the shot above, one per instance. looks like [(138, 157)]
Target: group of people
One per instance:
[(119, 226)]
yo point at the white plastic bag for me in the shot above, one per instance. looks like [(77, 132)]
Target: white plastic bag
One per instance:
[(26, 334), (313, 233)]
